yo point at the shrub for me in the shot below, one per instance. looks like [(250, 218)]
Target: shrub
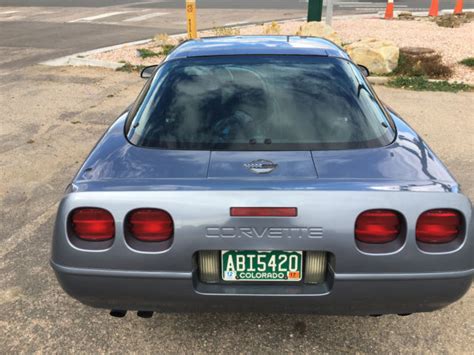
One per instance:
[(422, 65), (272, 29), (161, 38), (452, 21)]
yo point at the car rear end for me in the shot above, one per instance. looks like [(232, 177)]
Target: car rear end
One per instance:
[(269, 183), (341, 267)]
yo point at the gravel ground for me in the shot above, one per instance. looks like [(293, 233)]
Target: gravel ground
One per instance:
[(45, 141), (454, 44)]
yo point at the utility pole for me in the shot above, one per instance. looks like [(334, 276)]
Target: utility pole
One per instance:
[(315, 10), (329, 11)]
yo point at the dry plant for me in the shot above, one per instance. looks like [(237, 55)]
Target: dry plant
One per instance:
[(272, 29)]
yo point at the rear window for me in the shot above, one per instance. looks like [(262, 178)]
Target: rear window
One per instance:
[(260, 103)]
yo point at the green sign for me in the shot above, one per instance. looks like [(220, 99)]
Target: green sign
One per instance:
[(315, 10)]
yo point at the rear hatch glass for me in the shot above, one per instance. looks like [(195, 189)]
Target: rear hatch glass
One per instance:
[(260, 103)]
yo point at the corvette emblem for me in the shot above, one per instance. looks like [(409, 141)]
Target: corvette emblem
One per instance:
[(261, 166)]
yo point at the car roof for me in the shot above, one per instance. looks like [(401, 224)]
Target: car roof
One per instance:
[(257, 45)]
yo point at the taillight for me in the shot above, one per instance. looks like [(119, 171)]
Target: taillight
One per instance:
[(378, 226), (93, 224), (150, 225), (263, 212), (438, 226)]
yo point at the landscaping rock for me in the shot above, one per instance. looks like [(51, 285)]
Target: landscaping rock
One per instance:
[(380, 57), (319, 29)]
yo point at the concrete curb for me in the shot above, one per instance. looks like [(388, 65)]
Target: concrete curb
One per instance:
[(378, 80), (421, 13), (80, 59)]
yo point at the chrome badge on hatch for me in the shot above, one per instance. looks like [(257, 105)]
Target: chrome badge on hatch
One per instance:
[(261, 166)]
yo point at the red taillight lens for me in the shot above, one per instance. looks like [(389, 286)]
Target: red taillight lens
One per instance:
[(93, 224), (378, 226), (263, 212), (150, 225), (438, 226)]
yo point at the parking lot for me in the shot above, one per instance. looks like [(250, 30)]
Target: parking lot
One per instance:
[(51, 119)]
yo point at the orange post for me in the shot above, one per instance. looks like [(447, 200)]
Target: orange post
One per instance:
[(389, 10), (434, 8), (458, 7), (191, 18)]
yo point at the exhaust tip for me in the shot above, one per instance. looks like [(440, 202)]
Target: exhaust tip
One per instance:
[(145, 314), (118, 313)]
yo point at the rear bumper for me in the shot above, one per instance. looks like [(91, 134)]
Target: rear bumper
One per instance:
[(343, 294)]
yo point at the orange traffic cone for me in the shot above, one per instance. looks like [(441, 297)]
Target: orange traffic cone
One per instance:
[(434, 8), (458, 7), (389, 10)]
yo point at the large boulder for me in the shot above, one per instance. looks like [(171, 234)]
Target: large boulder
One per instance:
[(380, 57), (319, 29)]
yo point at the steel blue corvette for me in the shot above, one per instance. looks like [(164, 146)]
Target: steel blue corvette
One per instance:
[(262, 174)]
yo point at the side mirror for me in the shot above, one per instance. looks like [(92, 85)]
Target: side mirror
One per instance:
[(147, 72), (364, 70)]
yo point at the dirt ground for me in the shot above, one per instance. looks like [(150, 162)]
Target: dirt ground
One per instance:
[(51, 118)]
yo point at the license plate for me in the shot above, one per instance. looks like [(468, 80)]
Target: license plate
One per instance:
[(250, 265)]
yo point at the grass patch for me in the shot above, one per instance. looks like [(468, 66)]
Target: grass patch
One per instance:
[(423, 84), (431, 66), (469, 62), (147, 53), (129, 67)]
